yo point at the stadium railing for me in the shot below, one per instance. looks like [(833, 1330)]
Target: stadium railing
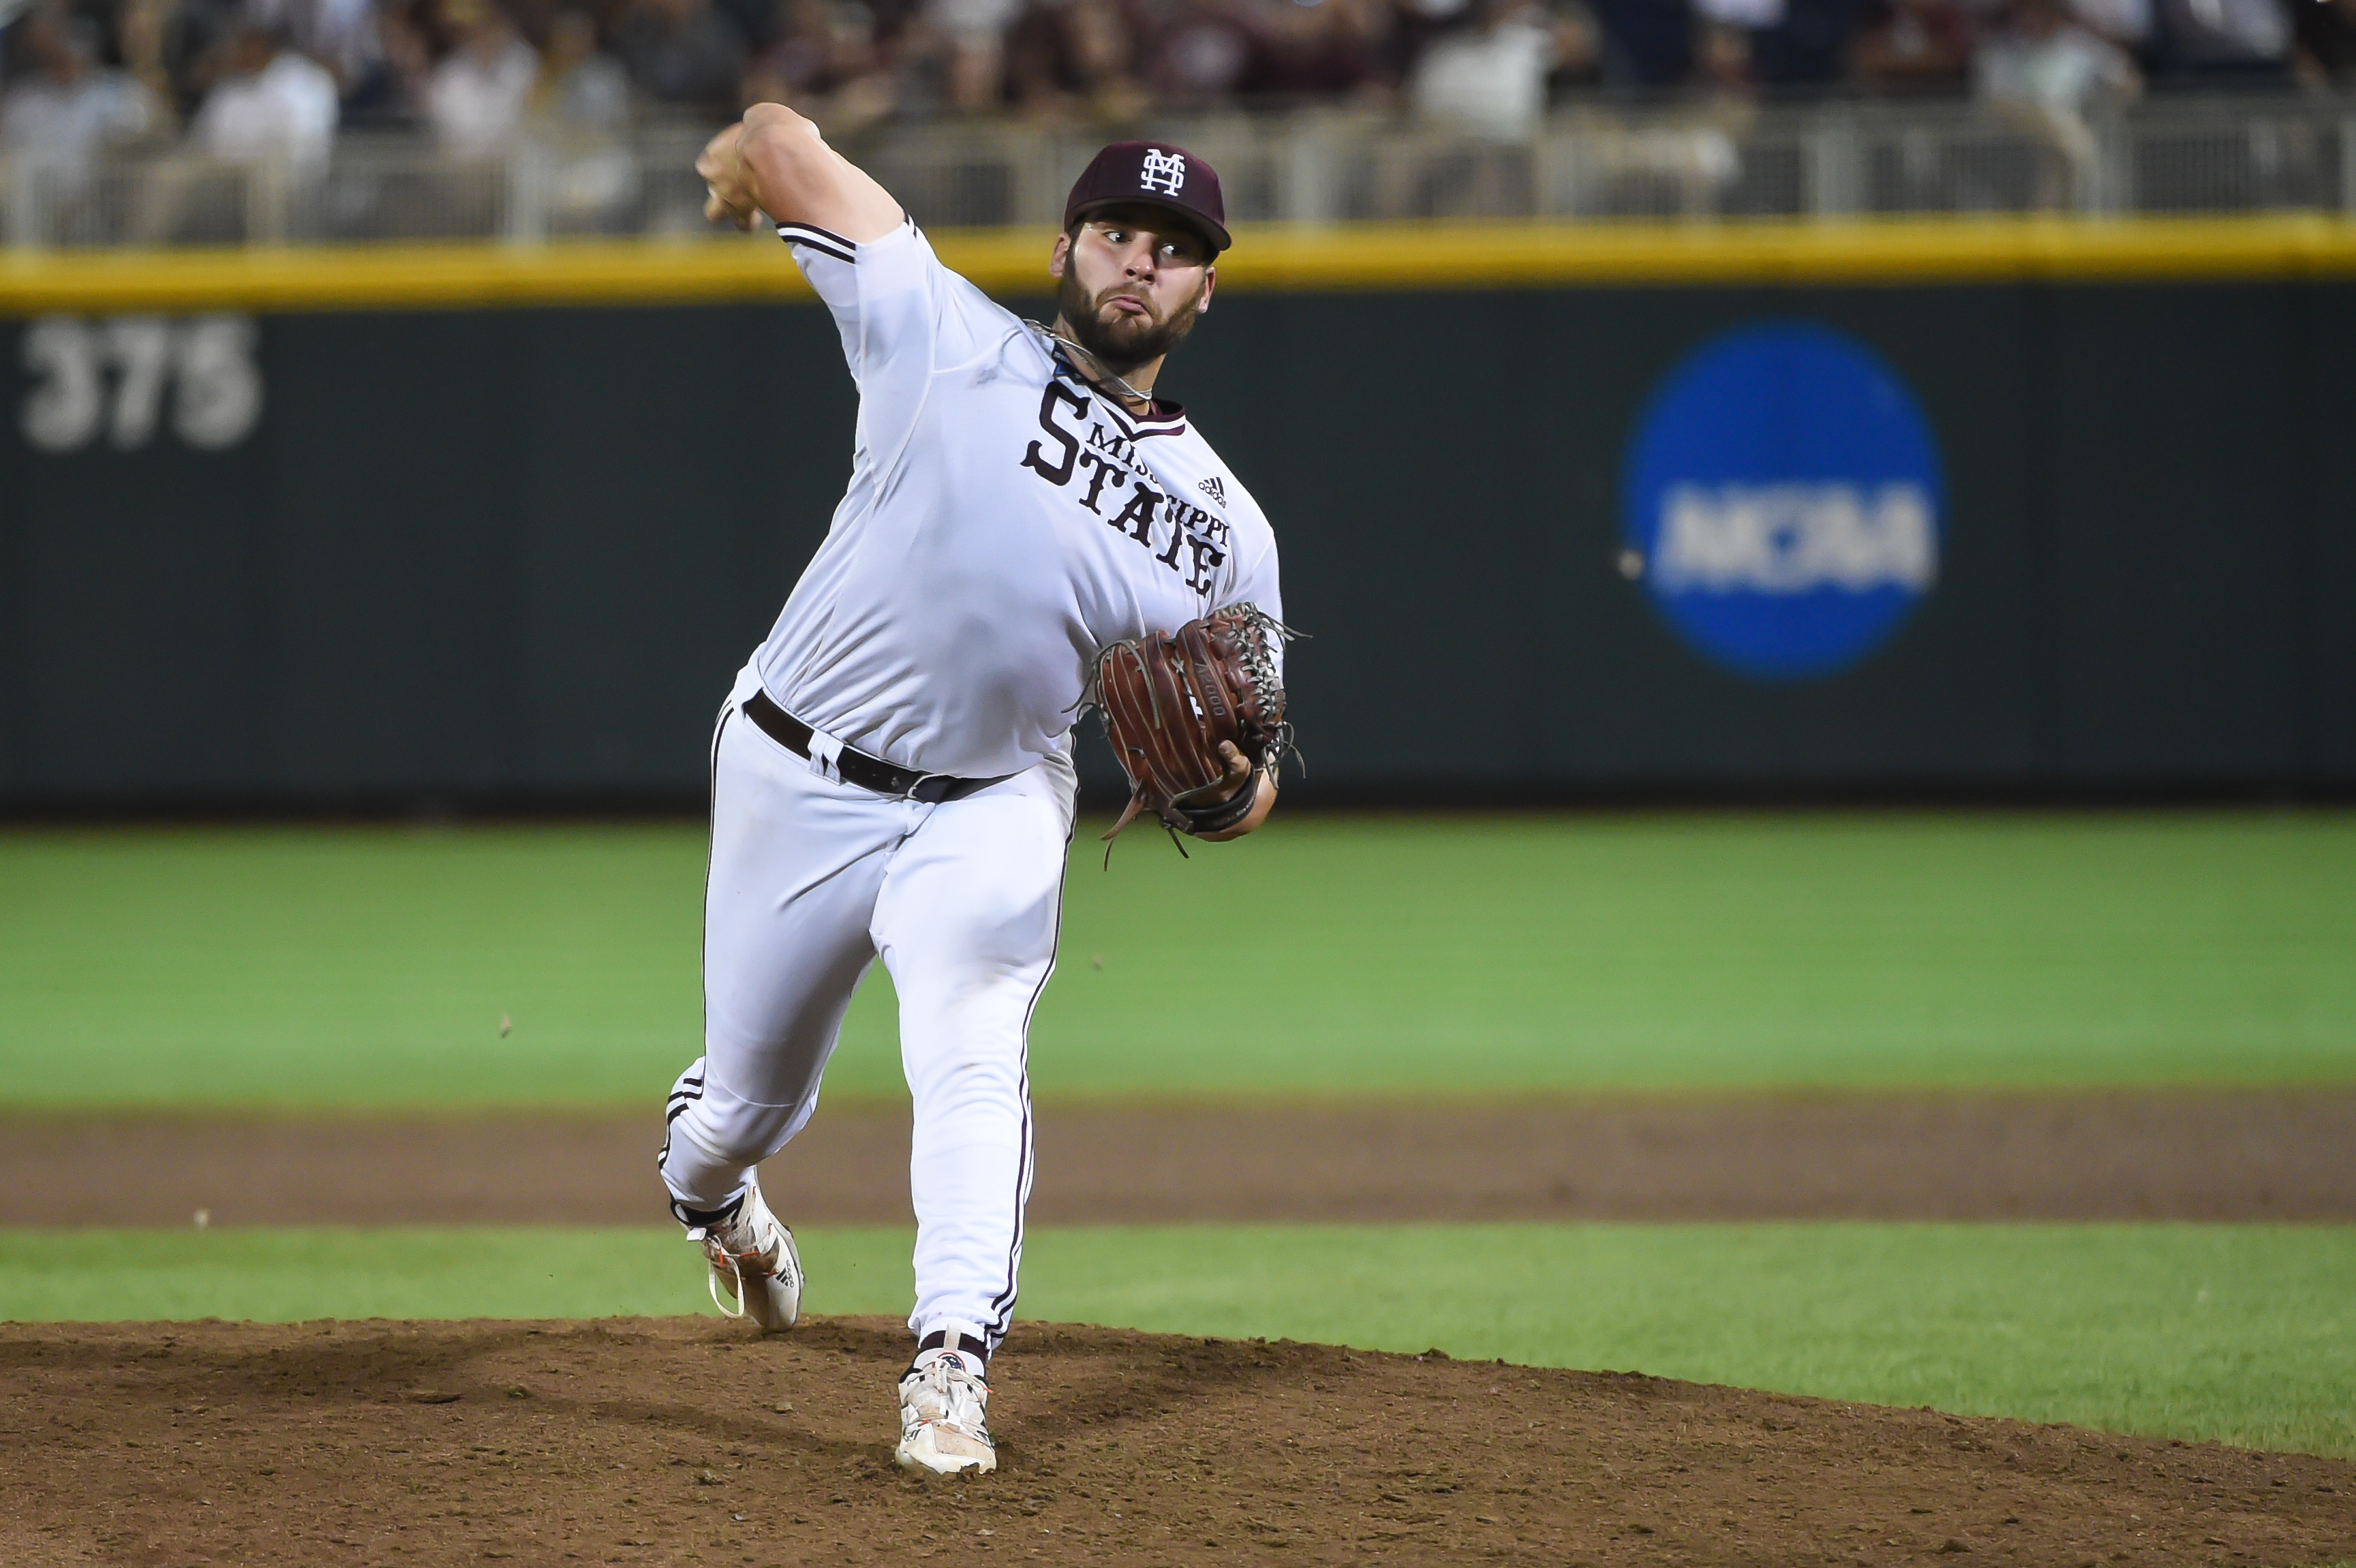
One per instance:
[(1696, 162)]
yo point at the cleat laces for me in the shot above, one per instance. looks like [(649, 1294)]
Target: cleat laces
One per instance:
[(950, 1396), (723, 1256)]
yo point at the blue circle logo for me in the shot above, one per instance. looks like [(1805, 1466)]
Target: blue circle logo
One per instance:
[(1781, 503)]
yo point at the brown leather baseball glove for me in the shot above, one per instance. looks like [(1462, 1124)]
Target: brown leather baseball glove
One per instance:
[(1169, 698)]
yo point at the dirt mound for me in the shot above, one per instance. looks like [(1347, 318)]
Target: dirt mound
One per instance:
[(687, 1440), (2118, 1155)]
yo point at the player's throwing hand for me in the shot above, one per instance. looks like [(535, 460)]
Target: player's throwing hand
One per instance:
[(728, 194)]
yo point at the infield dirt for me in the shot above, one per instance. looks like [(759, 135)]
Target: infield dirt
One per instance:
[(686, 1441), (2218, 1155)]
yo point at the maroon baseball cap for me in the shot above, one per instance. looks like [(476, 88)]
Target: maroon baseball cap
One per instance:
[(1155, 173)]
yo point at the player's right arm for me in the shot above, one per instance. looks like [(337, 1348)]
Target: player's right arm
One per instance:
[(900, 313), (774, 161)]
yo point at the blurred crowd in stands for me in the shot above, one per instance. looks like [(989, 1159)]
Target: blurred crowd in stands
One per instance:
[(237, 79)]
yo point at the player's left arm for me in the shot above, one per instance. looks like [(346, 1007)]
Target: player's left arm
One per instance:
[(1255, 583)]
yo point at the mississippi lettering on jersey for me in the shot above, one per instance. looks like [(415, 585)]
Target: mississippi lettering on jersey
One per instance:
[(1004, 521)]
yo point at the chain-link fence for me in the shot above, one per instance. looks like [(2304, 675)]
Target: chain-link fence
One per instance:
[(1697, 162)]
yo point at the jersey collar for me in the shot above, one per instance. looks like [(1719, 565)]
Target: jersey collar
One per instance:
[(1166, 418)]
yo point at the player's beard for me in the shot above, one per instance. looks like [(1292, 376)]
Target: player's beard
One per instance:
[(1124, 342)]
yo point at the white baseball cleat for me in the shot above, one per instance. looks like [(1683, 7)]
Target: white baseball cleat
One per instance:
[(944, 1407), (753, 1255)]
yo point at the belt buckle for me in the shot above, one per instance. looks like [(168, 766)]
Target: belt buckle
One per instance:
[(947, 781)]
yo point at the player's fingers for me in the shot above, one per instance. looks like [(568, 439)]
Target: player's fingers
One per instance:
[(720, 153)]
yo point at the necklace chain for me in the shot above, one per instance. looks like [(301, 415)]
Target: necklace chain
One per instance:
[(1145, 396)]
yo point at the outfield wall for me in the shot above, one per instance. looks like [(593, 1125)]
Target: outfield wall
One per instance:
[(500, 524)]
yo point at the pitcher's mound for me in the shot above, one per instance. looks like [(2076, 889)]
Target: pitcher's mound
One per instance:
[(686, 1440)]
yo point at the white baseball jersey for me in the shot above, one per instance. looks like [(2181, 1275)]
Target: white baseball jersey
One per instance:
[(1004, 523)]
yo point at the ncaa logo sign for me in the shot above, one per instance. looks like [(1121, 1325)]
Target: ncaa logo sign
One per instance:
[(1781, 503)]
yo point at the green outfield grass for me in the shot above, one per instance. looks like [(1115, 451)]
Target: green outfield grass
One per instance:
[(2246, 1334), (1470, 953), (1477, 954)]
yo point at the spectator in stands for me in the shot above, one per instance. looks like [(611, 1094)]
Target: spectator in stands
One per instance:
[(2326, 41), (1914, 46), (247, 74), (66, 109), (1067, 56), (1722, 62), (825, 63), (684, 56), (1203, 55), (196, 39), (1723, 35), (272, 103), (1411, 27), (341, 34), (759, 23), (2042, 60), (1807, 45), (580, 91), (2224, 40), (1489, 77), (1647, 43), (2127, 23), (139, 38), (476, 99), (1321, 49), (802, 63), (968, 40), (417, 36), (2045, 72), (580, 107)]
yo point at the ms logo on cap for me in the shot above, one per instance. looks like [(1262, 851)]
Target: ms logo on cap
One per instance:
[(1780, 502), (1162, 171)]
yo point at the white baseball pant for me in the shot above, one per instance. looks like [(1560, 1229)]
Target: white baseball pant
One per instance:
[(810, 881)]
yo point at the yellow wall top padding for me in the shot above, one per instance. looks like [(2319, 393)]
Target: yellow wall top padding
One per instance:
[(1431, 256)]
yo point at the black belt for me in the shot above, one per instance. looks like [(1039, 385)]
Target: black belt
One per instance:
[(857, 767)]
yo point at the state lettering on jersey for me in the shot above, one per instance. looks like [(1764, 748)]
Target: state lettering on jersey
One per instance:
[(1196, 543), (1136, 519), (1102, 473), (1060, 470)]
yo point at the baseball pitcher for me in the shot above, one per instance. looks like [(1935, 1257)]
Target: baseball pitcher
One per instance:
[(1030, 530)]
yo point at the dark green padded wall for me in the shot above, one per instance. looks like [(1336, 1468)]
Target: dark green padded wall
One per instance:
[(518, 554)]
